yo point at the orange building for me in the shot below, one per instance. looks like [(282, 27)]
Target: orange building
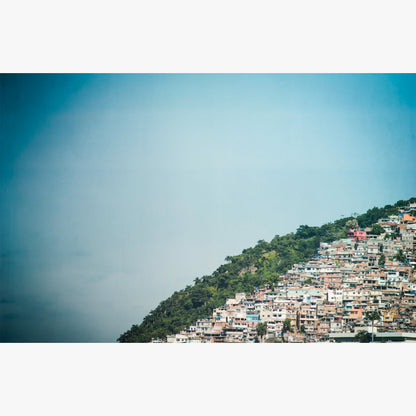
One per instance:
[(356, 313), (408, 218)]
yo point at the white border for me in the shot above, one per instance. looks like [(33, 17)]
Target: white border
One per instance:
[(215, 36)]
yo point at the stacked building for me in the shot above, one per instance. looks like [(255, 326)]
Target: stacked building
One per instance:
[(331, 296)]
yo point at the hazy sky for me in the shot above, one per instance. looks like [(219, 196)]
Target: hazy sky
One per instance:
[(117, 190)]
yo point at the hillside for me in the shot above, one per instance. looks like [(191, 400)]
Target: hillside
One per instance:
[(254, 267)]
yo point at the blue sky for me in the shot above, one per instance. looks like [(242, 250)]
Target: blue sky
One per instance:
[(117, 190)]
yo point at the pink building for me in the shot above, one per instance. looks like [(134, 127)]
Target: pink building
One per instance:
[(357, 235)]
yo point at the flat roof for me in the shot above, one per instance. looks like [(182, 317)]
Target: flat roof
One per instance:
[(378, 335)]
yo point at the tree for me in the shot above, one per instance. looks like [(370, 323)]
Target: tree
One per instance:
[(362, 336), (400, 256), (261, 330), (391, 236), (372, 316), (271, 278), (286, 327), (377, 229), (351, 224), (304, 231), (382, 260)]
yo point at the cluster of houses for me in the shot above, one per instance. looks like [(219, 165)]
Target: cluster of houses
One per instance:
[(330, 297)]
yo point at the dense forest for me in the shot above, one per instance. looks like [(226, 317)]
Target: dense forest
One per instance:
[(254, 267)]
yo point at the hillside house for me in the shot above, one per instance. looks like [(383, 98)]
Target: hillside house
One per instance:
[(357, 235)]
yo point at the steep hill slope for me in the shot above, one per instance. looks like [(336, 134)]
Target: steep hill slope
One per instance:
[(256, 266)]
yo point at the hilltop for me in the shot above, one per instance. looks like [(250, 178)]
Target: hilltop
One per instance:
[(259, 266)]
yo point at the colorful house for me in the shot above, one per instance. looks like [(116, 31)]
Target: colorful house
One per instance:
[(357, 234), (406, 218)]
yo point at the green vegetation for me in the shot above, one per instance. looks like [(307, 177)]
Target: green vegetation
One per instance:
[(351, 224), (255, 267), (382, 260), (362, 336), (286, 328), (400, 256), (391, 236), (261, 329), (286, 325), (377, 229)]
